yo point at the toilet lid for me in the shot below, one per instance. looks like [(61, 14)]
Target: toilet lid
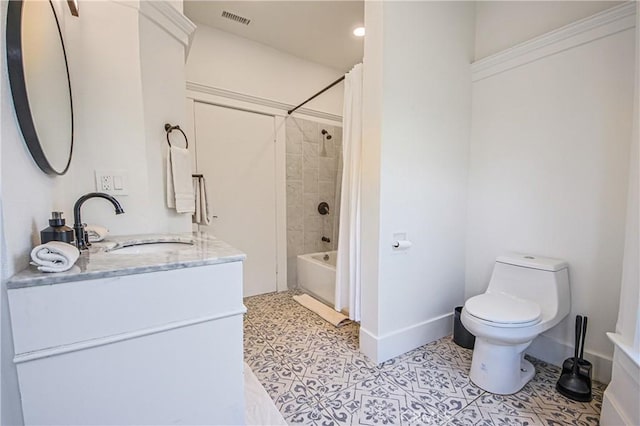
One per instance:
[(503, 309)]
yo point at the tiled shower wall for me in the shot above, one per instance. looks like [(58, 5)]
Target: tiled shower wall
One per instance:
[(311, 179)]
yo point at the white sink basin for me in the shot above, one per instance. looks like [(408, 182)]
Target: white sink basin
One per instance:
[(149, 248)]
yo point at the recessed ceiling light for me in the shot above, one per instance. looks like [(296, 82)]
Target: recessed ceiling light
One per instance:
[(359, 32)]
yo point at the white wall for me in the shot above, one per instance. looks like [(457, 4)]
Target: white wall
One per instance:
[(123, 117), (415, 170), (162, 75), (223, 60), (620, 400), (20, 175), (108, 109), (372, 108), (3, 259), (548, 176), (267, 81), (118, 125), (503, 24), (628, 325)]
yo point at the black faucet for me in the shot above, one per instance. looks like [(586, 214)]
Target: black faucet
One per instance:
[(78, 226)]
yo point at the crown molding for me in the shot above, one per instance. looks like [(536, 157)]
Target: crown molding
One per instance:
[(170, 19), (603, 24), (280, 106)]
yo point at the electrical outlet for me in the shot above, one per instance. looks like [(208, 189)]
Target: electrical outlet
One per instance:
[(106, 183), (113, 182)]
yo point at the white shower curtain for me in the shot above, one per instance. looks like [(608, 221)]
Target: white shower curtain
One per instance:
[(348, 262)]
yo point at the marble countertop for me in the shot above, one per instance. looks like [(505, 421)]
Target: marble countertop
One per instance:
[(100, 262)]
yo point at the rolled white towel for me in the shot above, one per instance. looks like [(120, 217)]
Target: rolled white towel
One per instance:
[(54, 256)]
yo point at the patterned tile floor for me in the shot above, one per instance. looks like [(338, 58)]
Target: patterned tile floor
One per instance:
[(316, 376)]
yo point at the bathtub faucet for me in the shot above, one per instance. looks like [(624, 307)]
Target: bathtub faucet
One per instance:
[(323, 208)]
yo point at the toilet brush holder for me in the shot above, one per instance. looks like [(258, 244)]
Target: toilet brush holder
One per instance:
[(575, 379), (461, 335), (584, 367)]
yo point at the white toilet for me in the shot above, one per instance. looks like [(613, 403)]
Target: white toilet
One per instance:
[(527, 295)]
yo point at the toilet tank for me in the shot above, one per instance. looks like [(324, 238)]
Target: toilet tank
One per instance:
[(544, 281)]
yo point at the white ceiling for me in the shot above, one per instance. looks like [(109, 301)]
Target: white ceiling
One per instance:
[(319, 31)]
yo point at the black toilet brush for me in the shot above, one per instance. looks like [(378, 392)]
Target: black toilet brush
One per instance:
[(572, 384), (584, 366)]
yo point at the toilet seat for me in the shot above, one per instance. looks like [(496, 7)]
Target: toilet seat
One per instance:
[(503, 310)]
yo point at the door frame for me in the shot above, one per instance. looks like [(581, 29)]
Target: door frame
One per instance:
[(205, 96)]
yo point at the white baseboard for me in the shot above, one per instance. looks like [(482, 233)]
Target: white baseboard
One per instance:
[(555, 352), (382, 348), (620, 401), (611, 413)]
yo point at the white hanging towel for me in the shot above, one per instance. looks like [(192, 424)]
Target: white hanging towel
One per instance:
[(179, 187), (54, 256), (201, 214), (197, 215)]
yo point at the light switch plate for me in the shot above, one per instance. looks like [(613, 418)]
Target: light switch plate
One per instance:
[(112, 182)]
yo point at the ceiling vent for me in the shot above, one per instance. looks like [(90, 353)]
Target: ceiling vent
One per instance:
[(236, 18)]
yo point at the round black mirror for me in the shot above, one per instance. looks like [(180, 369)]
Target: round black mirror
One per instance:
[(40, 84)]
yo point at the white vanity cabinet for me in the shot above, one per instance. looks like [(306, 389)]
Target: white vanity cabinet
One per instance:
[(161, 347)]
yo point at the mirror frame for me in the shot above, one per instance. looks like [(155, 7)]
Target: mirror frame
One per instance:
[(18, 86)]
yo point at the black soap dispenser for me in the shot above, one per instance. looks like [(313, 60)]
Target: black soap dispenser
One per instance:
[(57, 231)]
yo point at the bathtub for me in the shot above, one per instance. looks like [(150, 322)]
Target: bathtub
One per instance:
[(317, 275)]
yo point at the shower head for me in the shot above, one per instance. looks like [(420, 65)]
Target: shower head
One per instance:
[(326, 134)]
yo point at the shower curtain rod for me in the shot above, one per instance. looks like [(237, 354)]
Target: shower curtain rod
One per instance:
[(317, 94)]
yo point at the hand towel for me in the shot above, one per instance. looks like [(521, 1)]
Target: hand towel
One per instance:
[(204, 202), (197, 215), (96, 233), (201, 214), (179, 186), (54, 256)]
